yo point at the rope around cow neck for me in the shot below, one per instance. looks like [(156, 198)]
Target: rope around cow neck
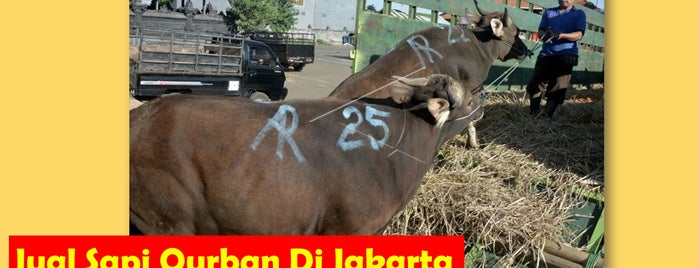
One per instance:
[(363, 96), (505, 75)]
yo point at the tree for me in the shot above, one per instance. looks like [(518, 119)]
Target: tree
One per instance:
[(371, 8), (157, 3), (260, 15)]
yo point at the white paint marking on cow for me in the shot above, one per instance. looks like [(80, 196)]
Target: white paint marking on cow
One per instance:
[(423, 48), (278, 122), (394, 148), (450, 34), (363, 96), (350, 129), (370, 113)]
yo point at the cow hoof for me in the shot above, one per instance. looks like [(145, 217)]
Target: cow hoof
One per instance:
[(473, 145)]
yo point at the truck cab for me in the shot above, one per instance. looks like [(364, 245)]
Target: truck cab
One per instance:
[(183, 62), (263, 72)]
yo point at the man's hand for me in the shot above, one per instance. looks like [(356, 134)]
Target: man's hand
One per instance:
[(547, 35)]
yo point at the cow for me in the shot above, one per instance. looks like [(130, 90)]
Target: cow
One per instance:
[(466, 55), (215, 165)]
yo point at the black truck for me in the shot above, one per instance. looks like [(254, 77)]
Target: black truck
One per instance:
[(295, 50), (164, 62)]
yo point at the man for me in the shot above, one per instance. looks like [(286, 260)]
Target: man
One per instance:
[(560, 29)]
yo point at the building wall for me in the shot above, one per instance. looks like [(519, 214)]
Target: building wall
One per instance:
[(306, 10), (334, 15)]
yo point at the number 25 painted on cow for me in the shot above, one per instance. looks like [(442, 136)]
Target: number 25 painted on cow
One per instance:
[(351, 128), (286, 132)]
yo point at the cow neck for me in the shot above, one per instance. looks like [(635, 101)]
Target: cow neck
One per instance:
[(409, 129), (402, 132), (415, 131), (485, 36)]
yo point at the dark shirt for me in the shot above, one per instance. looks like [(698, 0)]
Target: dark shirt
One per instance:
[(562, 22)]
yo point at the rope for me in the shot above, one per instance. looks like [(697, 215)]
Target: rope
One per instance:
[(361, 97), (505, 75), (402, 132)]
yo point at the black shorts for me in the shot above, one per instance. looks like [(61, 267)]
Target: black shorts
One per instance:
[(552, 73)]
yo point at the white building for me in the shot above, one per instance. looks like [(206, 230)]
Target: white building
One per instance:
[(334, 15)]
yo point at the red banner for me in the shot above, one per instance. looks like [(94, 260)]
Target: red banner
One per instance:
[(236, 251)]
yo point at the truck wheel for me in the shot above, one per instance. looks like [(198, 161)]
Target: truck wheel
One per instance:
[(259, 97)]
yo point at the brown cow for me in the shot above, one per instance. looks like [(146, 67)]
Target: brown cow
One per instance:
[(217, 165), (465, 55)]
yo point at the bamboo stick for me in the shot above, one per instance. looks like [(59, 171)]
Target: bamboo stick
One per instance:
[(569, 253)]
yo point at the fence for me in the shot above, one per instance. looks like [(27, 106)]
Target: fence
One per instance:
[(376, 33)]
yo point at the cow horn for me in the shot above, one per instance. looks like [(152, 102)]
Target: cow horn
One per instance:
[(478, 8), (416, 82), (504, 18), (455, 103)]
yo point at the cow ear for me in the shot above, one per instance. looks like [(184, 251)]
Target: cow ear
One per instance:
[(439, 108), (404, 89), (400, 92), (497, 27)]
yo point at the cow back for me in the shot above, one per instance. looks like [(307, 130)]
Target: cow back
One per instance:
[(217, 165)]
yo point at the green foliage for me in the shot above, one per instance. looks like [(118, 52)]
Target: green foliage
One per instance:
[(260, 15), (372, 8)]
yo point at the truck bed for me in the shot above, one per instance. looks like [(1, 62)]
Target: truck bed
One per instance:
[(290, 47), (170, 52)]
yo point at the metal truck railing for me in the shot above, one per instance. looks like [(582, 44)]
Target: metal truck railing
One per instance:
[(175, 52)]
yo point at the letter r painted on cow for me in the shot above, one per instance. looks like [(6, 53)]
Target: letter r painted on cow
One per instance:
[(423, 47), (278, 122)]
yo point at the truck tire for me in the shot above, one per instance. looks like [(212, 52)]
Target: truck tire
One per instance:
[(259, 97)]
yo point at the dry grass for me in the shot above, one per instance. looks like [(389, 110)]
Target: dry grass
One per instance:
[(495, 196)]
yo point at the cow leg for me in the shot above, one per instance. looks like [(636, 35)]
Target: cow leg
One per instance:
[(472, 138)]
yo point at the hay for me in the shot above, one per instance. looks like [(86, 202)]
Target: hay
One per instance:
[(515, 192)]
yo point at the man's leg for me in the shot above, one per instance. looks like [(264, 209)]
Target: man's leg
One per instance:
[(556, 95), (553, 99), (536, 86)]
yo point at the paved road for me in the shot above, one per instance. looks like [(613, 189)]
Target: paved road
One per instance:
[(317, 80)]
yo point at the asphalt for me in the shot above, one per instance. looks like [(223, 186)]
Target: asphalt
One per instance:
[(332, 65)]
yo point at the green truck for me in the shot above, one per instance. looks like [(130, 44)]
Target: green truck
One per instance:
[(295, 50)]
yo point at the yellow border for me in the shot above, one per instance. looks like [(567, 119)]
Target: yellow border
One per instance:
[(64, 141), (651, 136), (63, 148)]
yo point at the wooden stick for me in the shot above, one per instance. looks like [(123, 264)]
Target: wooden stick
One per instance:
[(569, 253), (554, 261)]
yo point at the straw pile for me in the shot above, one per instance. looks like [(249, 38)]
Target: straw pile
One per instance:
[(489, 196)]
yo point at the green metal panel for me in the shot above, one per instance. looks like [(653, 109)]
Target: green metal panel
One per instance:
[(597, 237), (376, 34), (380, 34)]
